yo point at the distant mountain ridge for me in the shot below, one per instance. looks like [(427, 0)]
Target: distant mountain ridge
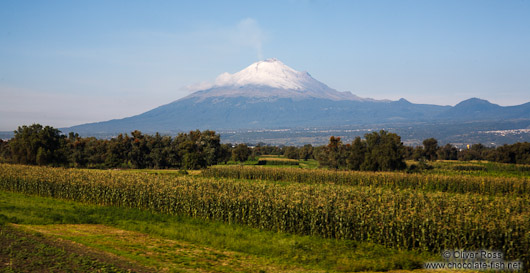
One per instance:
[(479, 109), (269, 94)]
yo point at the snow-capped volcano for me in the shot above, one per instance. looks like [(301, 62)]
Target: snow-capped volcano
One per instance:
[(271, 79), (270, 72), (269, 94)]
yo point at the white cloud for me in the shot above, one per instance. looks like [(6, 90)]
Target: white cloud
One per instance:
[(198, 86)]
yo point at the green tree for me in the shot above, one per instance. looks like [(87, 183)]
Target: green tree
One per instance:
[(117, 151), (291, 152), (225, 153), (522, 152), (430, 149), (159, 152), (333, 155), (36, 144), (475, 152), (174, 156), (408, 152), (138, 154), (5, 151), (240, 153), (356, 154), (96, 151), (384, 152), (306, 152), (448, 152), (210, 146), (190, 150), (418, 153)]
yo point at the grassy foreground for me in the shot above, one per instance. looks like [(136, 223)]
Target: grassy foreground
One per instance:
[(270, 251), (156, 253), (27, 252)]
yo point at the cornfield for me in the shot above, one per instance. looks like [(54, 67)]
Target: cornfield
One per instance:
[(500, 186), (399, 218)]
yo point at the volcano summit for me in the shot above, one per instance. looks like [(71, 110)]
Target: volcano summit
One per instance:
[(273, 80)]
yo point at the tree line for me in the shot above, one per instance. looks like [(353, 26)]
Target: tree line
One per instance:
[(384, 151), (377, 151), (517, 153), (38, 145)]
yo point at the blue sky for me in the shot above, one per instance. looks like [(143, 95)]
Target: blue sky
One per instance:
[(64, 63)]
